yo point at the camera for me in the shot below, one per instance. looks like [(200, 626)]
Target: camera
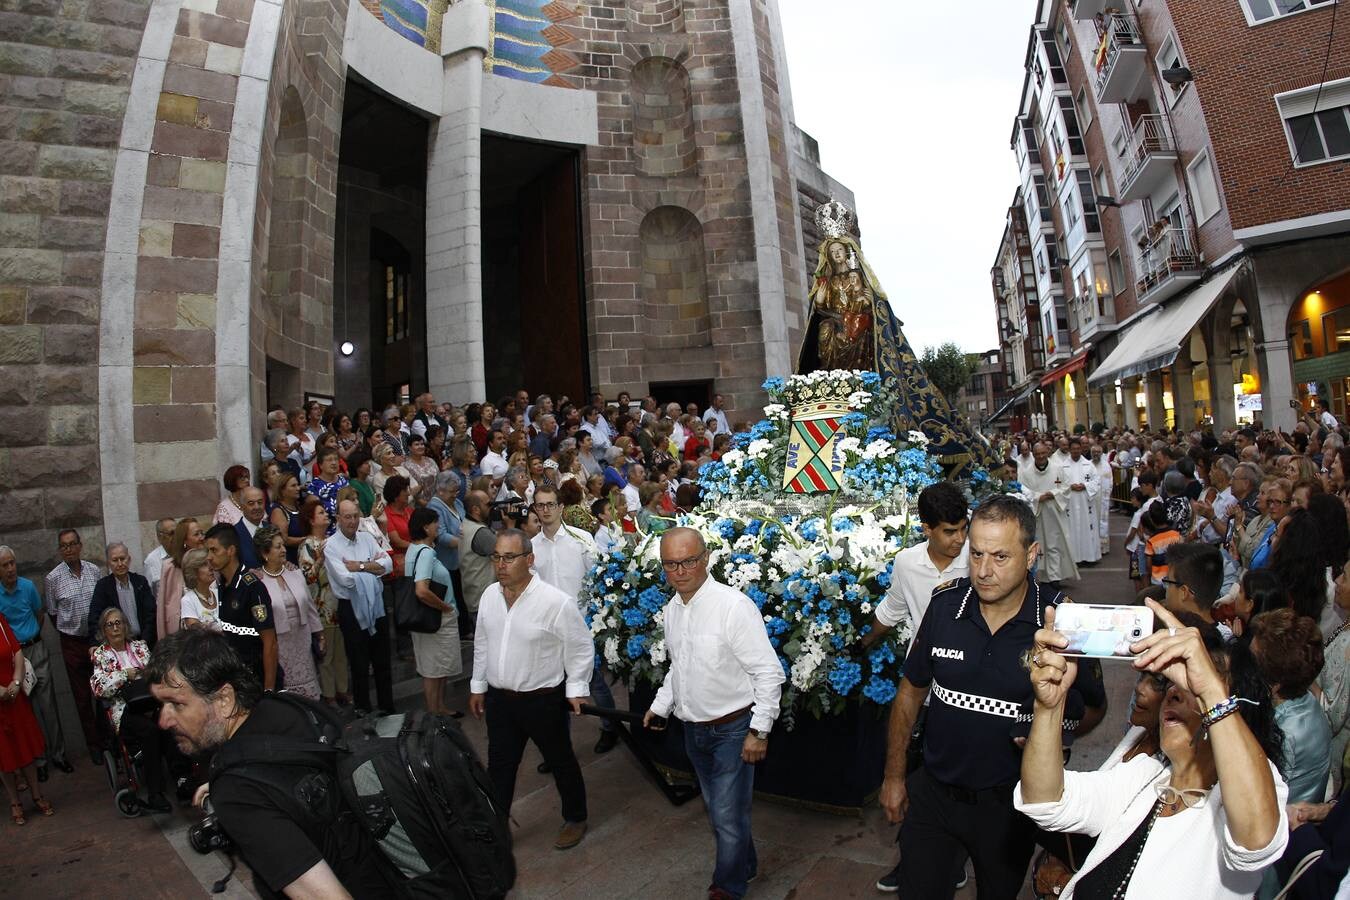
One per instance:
[(207, 836)]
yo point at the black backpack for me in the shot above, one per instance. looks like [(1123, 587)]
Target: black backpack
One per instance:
[(414, 784)]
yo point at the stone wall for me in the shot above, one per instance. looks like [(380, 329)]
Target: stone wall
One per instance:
[(65, 71)]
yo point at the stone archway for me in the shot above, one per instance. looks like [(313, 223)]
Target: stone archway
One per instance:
[(663, 119), (674, 279)]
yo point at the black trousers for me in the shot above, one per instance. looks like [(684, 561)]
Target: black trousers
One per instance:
[(140, 732), (945, 823), (512, 719), (365, 650)]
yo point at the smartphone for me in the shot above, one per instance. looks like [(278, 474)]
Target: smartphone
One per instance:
[(1101, 631)]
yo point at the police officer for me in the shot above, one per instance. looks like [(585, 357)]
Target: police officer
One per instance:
[(968, 653), (245, 607)]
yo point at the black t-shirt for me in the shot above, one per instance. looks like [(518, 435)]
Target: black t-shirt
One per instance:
[(275, 845), (981, 697), (245, 603)]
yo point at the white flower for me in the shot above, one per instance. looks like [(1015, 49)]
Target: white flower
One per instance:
[(859, 400), (775, 411), (612, 651), (657, 652), (733, 459), (918, 437), (758, 448), (865, 608), (878, 449), (847, 445)]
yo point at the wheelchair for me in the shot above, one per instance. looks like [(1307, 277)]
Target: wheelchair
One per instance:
[(123, 767)]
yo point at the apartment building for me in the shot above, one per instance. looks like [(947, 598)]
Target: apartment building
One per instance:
[(1184, 173), (1013, 277), (986, 391)]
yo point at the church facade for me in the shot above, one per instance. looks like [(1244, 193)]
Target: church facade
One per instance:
[(212, 206)]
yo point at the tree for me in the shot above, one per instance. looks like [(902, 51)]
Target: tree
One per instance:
[(947, 368)]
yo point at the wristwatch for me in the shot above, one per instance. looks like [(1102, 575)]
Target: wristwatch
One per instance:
[(761, 735)]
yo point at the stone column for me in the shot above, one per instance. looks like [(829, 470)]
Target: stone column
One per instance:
[(1183, 393), (454, 212), (1082, 409), (1110, 412), (1277, 385), (1221, 393), (1154, 411)]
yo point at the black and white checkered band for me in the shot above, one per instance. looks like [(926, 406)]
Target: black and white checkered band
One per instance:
[(240, 630), (1035, 586), (976, 703)]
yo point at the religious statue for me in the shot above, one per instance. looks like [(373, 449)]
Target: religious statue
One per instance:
[(851, 326)]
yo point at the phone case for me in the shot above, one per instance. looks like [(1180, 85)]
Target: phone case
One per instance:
[(1101, 631)]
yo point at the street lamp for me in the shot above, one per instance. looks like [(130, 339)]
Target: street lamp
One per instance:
[(347, 348)]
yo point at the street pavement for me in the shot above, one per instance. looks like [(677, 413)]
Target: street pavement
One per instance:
[(639, 844)]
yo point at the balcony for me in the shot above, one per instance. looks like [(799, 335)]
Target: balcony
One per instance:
[(1087, 9), (1121, 60), (1149, 158), (1095, 314), (1170, 262)]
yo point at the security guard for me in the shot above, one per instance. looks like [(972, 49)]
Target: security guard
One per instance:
[(968, 652), (245, 607)]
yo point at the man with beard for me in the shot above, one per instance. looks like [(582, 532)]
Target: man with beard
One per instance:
[(210, 699), (1046, 488)]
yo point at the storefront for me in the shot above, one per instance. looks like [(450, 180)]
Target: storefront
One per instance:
[(1319, 341)]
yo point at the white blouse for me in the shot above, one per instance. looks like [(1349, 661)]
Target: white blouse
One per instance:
[(1191, 854)]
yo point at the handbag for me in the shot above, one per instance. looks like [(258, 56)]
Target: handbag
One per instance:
[(410, 613), (29, 678)]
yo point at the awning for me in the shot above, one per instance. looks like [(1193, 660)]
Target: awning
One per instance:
[(1078, 361), (1155, 340), (1020, 397)]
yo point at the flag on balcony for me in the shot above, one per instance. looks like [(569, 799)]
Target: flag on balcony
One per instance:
[(1059, 165), (1099, 59)]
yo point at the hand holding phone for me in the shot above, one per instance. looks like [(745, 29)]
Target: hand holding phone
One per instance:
[(1102, 631)]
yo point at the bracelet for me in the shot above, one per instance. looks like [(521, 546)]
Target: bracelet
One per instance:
[(1221, 710)]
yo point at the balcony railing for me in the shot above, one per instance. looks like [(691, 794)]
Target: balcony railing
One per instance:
[(1121, 60), (1149, 157), (1169, 262)]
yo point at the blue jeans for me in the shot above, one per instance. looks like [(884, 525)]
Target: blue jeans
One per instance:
[(728, 785)]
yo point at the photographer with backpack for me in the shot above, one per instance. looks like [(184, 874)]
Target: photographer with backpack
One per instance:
[(210, 699)]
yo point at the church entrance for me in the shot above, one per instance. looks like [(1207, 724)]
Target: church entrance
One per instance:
[(379, 283), (534, 330)]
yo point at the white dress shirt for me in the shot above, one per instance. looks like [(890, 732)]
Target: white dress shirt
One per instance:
[(564, 559), (716, 420), (720, 659), (154, 562), (913, 578), (492, 464), (599, 437), (533, 643), (630, 494), (362, 590)]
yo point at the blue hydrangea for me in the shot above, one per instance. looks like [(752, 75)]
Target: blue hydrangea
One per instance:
[(879, 690), (635, 618), (637, 645), (772, 385), (844, 676), (881, 657), (870, 380)]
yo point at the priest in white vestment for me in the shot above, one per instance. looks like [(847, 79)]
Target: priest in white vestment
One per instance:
[(1046, 489), (1108, 483), (1085, 484)]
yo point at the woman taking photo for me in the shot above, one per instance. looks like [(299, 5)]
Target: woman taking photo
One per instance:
[(437, 653), (200, 603), (231, 509), (285, 513), (333, 667), (1205, 822), (21, 742), (294, 612), (169, 599)]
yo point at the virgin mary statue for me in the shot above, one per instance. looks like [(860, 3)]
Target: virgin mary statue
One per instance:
[(851, 326)]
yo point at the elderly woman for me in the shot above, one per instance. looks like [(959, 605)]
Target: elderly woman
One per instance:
[(119, 669), (437, 653), (231, 508), (1288, 650), (1202, 823), (360, 465), (284, 513), (422, 468), (333, 683), (21, 744), (168, 603), (450, 516), (201, 603), (387, 465), (586, 453), (294, 612)]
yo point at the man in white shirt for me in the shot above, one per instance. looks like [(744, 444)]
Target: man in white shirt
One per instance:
[(355, 564), (154, 560), (637, 477), (715, 418), (725, 685), (531, 650), (677, 433), (493, 464), (276, 419), (593, 422), (919, 569), (562, 557), (1327, 419)]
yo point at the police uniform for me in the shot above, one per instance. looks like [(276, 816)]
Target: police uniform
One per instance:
[(980, 701), (246, 612)]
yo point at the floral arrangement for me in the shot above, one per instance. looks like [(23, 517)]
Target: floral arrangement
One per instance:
[(816, 566)]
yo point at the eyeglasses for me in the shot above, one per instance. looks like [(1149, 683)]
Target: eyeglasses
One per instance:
[(685, 565), (546, 504), (69, 545), (1272, 500), (498, 558), (1173, 582), (1191, 798), (115, 623)]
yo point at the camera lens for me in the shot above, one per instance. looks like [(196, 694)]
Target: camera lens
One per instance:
[(1136, 632)]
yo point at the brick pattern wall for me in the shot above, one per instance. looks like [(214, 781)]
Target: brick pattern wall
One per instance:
[(65, 71), (674, 280), (663, 121), (656, 15), (1239, 69), (619, 194)]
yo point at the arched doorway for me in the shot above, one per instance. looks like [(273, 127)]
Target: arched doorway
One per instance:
[(1319, 344)]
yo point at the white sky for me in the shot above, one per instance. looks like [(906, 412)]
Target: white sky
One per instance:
[(913, 104)]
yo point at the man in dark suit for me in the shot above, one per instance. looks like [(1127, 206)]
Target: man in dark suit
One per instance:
[(254, 507), (127, 591)]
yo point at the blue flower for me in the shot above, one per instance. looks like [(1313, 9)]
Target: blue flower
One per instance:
[(879, 690), (772, 385), (635, 618), (637, 645), (870, 380), (844, 676), (880, 657)]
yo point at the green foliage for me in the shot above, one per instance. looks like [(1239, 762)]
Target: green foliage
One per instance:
[(947, 368)]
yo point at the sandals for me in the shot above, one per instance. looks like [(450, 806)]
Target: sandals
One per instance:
[(43, 806), (16, 813)]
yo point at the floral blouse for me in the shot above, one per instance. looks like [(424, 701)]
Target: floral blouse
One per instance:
[(316, 576), (109, 677)]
